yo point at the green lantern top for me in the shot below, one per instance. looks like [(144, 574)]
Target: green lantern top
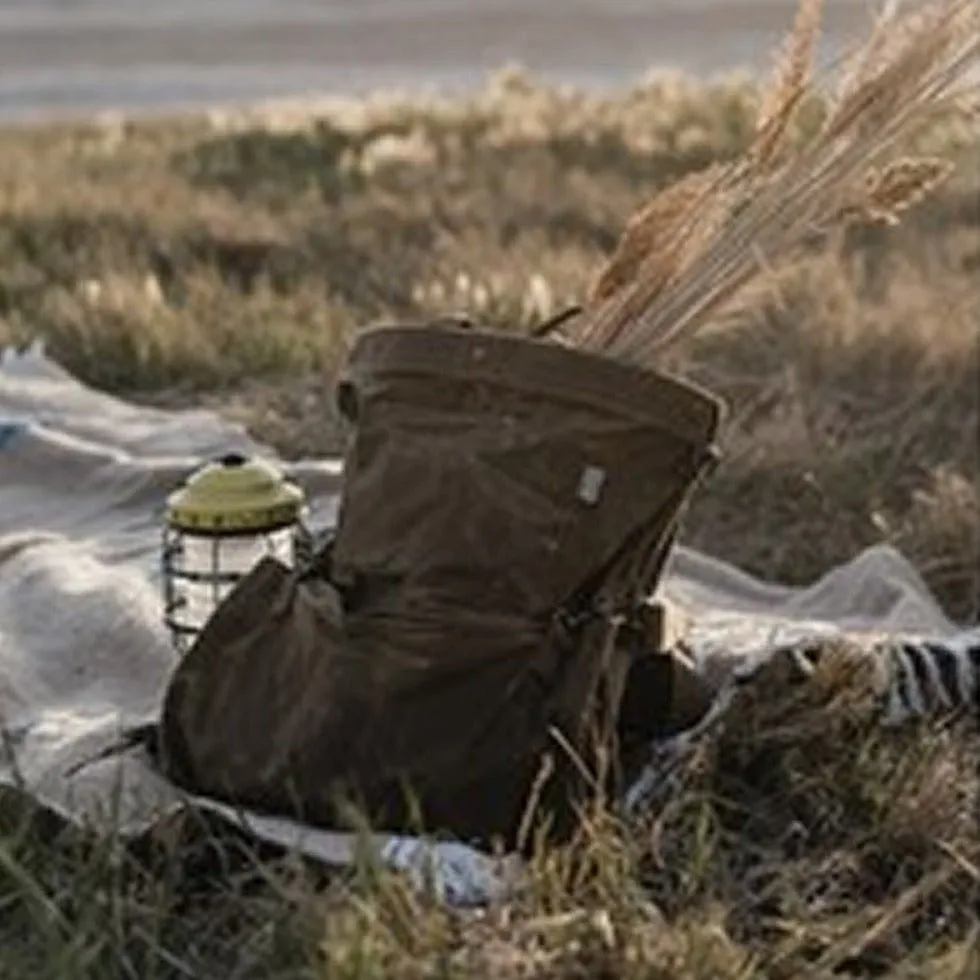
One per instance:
[(235, 495)]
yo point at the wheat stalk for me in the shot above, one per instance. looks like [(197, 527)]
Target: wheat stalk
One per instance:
[(719, 230), (659, 242), (889, 192), (653, 231), (858, 65), (790, 84)]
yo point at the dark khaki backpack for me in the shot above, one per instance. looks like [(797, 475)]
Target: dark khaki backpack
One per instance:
[(457, 660)]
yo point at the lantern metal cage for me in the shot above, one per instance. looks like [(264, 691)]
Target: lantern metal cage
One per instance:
[(219, 524)]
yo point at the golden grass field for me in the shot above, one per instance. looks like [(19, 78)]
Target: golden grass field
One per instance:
[(228, 259)]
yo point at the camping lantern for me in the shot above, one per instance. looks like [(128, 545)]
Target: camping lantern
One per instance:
[(227, 516)]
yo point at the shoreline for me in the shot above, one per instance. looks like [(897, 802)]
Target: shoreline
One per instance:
[(78, 66), (299, 105)]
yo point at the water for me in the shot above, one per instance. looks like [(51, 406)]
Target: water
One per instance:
[(69, 56)]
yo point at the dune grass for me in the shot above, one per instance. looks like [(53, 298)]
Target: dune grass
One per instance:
[(228, 259)]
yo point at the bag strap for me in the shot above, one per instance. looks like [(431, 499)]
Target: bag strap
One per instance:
[(550, 325)]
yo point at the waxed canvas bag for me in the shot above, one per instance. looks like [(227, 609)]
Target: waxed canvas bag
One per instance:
[(459, 653)]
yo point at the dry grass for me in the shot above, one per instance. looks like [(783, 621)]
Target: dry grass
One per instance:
[(226, 261), (699, 244)]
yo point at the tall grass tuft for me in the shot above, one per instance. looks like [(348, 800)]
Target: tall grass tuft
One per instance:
[(676, 267)]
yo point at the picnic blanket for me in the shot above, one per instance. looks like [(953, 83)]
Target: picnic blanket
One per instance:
[(84, 654)]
